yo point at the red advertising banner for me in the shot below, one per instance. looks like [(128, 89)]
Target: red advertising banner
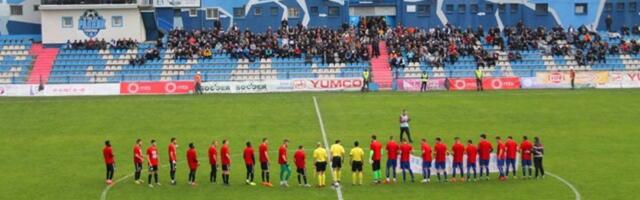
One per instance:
[(157, 87), (503, 83)]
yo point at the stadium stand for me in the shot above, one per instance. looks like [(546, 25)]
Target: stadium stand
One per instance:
[(15, 60)]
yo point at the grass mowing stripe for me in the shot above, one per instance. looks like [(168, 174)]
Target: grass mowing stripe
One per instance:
[(326, 143), (575, 191)]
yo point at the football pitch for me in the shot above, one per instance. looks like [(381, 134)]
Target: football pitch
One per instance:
[(51, 147)]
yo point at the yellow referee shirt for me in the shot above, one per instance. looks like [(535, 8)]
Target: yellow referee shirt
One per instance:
[(337, 150), (357, 154), (320, 154)]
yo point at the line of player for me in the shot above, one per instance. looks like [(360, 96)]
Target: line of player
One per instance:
[(476, 155)]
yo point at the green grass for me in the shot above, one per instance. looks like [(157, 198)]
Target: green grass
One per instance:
[(51, 147)]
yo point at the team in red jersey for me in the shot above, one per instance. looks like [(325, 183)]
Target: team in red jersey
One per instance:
[(285, 171), (264, 162), (458, 154), (507, 151), (152, 161), (427, 155), (249, 160), (484, 150), (109, 161), (392, 158), (137, 161), (192, 160), (299, 158), (525, 153), (213, 161), (472, 155), (375, 157), (173, 160), (225, 156)]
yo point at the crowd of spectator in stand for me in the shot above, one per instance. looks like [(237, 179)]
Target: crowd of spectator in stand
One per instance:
[(101, 44)]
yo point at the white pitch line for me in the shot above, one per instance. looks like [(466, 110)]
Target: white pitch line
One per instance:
[(326, 143), (573, 188)]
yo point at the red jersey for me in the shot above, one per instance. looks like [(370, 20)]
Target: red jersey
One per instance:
[(472, 154), (262, 149), (152, 154), (405, 154), (502, 151), (512, 147), (484, 149), (224, 155), (137, 154), (212, 155), (525, 148), (192, 159), (376, 147), (282, 155), (248, 156), (172, 152), (426, 153), (107, 152), (392, 150), (458, 152), (441, 152), (299, 158)]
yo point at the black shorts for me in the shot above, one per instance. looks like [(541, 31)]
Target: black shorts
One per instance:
[(300, 170), (321, 166), (137, 166), (356, 166), (110, 167), (264, 165), (153, 168), (225, 167), (172, 165), (249, 168), (375, 165), (336, 162)]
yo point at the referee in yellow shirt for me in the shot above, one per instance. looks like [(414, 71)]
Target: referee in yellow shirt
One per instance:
[(320, 161), (337, 153), (357, 155)]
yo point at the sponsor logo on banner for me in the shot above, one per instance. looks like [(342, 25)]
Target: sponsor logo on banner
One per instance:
[(630, 79), (415, 84), (416, 164), (347, 84), (502, 83), (61, 90), (158, 87), (247, 86), (563, 79), (90, 23)]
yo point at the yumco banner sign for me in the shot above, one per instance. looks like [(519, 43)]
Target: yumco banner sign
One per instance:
[(416, 84), (346, 84), (503, 83), (563, 79), (630, 79), (247, 87), (60, 90), (177, 87)]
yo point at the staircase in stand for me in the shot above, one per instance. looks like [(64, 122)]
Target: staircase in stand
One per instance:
[(380, 68), (43, 64)]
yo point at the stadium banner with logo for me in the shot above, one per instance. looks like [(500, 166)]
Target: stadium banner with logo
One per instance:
[(335, 84), (157, 87), (60, 90), (247, 86), (415, 84), (416, 164), (628, 79), (489, 83), (176, 3), (563, 79)]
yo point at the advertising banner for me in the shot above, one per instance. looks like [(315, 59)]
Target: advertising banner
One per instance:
[(563, 79), (157, 87), (416, 164), (629, 79), (10, 90), (415, 84), (501, 83), (247, 87), (60, 90), (336, 84)]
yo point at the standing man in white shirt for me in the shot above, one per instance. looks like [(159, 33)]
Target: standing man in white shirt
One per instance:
[(404, 125)]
